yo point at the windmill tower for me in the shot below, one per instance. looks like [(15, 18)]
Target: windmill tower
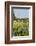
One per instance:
[(13, 14)]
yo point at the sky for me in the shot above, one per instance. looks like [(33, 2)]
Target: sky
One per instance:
[(21, 13)]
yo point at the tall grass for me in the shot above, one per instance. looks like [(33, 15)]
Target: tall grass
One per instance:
[(20, 27)]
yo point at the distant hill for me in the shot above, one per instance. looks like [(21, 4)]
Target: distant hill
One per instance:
[(19, 18)]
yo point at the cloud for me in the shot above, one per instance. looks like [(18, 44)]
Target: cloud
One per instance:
[(21, 13)]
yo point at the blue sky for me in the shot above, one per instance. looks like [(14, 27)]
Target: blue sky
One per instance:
[(21, 13)]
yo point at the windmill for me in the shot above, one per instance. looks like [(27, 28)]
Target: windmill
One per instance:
[(13, 14)]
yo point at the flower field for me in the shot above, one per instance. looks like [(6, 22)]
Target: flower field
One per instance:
[(21, 27)]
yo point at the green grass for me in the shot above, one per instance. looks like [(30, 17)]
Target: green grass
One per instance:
[(20, 27)]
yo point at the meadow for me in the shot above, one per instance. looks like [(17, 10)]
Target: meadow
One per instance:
[(21, 27)]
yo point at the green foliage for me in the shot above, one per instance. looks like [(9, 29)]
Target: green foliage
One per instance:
[(20, 27)]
